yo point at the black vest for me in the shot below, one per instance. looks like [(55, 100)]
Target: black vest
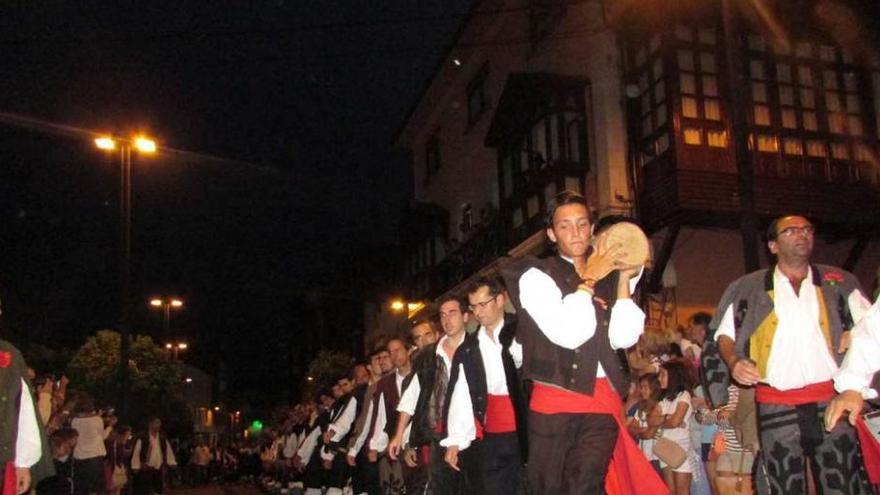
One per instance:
[(544, 361), (425, 367)]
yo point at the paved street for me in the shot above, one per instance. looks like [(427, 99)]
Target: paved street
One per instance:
[(217, 490)]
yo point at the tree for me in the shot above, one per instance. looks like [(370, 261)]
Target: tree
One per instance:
[(155, 379), (326, 369)]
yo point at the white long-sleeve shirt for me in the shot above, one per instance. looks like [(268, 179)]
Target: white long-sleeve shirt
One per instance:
[(362, 437), (461, 430), (863, 357), (379, 440), (155, 454), (28, 448), (570, 321), (410, 397), (340, 427), (799, 355)]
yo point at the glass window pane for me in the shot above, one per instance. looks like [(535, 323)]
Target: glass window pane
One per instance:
[(549, 192), (646, 103), (711, 109), (716, 139), (684, 33), (783, 73), (786, 95), (805, 76), (837, 123), (659, 92), (707, 36), (643, 81), (804, 49), (767, 143), (517, 217), (662, 143), (759, 92), (840, 151), (689, 107), (855, 125), (832, 102), (688, 83), (707, 62), (539, 140), (693, 136), (756, 69), (710, 86), (810, 123), (852, 104), (657, 69), (826, 53), (660, 112), (756, 42), (789, 119), (647, 125), (808, 98), (792, 146), (532, 206), (816, 148), (685, 60), (829, 79), (762, 115)]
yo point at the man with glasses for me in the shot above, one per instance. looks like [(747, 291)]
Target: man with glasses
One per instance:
[(486, 406), (784, 330)]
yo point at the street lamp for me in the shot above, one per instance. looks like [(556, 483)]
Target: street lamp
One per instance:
[(176, 347), (166, 305), (142, 145)]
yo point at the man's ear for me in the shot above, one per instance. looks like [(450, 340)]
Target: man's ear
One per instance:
[(551, 235), (773, 246)]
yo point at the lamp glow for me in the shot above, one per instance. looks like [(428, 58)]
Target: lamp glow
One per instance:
[(155, 302), (144, 145), (105, 143)]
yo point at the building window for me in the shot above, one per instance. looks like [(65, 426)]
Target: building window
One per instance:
[(432, 156), (478, 96)]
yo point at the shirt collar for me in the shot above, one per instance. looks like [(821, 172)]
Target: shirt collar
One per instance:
[(495, 331)]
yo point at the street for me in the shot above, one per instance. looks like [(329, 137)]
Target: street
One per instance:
[(217, 490)]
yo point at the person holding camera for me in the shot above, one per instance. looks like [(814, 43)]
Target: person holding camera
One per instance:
[(90, 452)]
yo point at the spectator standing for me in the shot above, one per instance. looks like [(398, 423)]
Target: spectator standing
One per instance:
[(675, 405), (89, 454), (150, 460)]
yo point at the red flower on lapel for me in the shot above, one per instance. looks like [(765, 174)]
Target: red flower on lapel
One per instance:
[(833, 278), (5, 359)]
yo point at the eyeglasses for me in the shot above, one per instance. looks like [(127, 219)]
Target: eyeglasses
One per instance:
[(482, 305), (792, 231)]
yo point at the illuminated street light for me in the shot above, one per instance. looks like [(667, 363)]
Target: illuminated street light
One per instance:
[(188, 380), (144, 145), (397, 305), (176, 347), (105, 143), (166, 305)]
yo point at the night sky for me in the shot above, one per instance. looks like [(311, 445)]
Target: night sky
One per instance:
[(273, 210)]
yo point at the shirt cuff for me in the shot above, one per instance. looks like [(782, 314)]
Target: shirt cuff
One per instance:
[(844, 381), (459, 441), (626, 324)]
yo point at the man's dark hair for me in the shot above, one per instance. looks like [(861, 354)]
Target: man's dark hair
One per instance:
[(491, 282), (772, 233), (398, 338), (564, 198), (701, 318), (451, 296), (379, 344)]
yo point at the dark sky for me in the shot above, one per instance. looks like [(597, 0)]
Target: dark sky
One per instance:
[(285, 113)]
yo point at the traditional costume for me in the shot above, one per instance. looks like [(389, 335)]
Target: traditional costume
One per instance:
[(792, 336), (21, 445), (383, 425)]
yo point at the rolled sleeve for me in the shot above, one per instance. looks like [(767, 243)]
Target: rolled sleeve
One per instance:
[(460, 423), (566, 321), (863, 357), (410, 397), (626, 325), (726, 326), (342, 425)]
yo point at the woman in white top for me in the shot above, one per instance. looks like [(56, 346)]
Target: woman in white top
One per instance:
[(647, 417), (89, 454), (675, 405)]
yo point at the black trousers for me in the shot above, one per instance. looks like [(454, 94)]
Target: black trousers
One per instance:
[(148, 481), (569, 453), (365, 475), (442, 479), (491, 466)]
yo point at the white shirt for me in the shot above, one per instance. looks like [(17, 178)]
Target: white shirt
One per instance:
[(307, 447), (28, 448), (410, 397), (379, 441), (461, 430), (91, 437), (359, 441), (681, 434), (863, 357), (155, 456), (570, 321), (799, 355)]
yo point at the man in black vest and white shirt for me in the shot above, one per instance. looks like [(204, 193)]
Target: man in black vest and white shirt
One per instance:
[(152, 456)]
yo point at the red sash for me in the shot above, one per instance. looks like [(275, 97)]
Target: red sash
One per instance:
[(817, 392), (629, 472), (9, 484), (870, 451), (499, 414)]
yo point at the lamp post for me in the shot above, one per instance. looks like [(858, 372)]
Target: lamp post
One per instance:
[(166, 305), (176, 347), (124, 146)]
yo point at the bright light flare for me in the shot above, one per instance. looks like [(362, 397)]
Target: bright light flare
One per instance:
[(144, 145), (155, 302), (397, 305), (188, 380), (169, 345), (176, 303), (182, 346), (105, 143)]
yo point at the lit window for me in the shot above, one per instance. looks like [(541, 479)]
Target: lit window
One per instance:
[(840, 151), (783, 73), (756, 42), (816, 148), (707, 62), (786, 95), (789, 119), (808, 98), (711, 109), (810, 123), (837, 123), (852, 104), (683, 33), (792, 146), (762, 115), (864, 154), (782, 47), (706, 36), (756, 69), (804, 50), (855, 125), (759, 92), (829, 79), (832, 102), (688, 84), (685, 60), (689, 107), (805, 76), (716, 139), (710, 86), (692, 136), (768, 144), (826, 53)]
